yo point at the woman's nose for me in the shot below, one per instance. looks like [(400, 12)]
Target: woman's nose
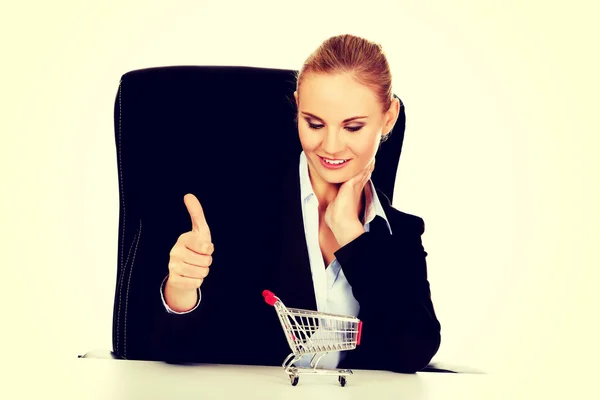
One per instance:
[(332, 142)]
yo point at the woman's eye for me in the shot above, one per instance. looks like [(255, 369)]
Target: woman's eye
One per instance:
[(353, 128), (348, 128)]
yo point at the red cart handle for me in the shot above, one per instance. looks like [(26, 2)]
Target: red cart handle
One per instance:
[(269, 297), (359, 333)]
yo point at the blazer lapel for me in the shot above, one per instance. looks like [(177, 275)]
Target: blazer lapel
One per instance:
[(291, 278), (378, 225), (292, 275)]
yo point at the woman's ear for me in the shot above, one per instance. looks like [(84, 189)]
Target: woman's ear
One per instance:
[(390, 118), (391, 115)]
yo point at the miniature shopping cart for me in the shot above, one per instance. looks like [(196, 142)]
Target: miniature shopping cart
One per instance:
[(312, 332)]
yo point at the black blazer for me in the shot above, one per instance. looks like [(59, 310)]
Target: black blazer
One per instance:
[(233, 324)]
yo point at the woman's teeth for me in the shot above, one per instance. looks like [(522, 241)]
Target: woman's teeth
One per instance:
[(334, 162)]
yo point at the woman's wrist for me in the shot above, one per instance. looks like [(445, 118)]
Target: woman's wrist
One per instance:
[(180, 300), (347, 232)]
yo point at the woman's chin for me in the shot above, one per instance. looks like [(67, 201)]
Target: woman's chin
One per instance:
[(334, 180)]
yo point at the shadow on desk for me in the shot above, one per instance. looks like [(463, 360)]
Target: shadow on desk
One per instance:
[(433, 367)]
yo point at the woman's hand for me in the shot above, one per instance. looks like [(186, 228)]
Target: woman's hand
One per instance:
[(189, 260), (341, 215)]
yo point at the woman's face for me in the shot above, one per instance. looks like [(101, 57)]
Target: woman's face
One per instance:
[(340, 123)]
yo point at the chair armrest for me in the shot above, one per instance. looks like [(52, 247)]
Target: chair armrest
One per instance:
[(101, 353), (432, 367), (449, 368)]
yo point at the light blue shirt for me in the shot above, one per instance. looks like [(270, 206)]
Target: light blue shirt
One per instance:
[(333, 293)]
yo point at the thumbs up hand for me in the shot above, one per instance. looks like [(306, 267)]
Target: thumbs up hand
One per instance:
[(199, 225), (190, 259)]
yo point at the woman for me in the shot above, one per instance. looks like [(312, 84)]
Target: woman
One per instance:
[(346, 249)]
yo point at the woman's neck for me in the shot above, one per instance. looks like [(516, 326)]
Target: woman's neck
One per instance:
[(327, 192), (324, 191)]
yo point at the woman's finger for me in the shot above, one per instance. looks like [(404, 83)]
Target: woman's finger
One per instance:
[(192, 271), (368, 172), (365, 180), (199, 260)]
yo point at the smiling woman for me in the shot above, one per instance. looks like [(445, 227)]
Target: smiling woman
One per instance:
[(346, 108), (348, 83), (357, 255)]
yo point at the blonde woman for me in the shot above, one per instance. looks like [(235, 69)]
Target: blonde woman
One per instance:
[(338, 244)]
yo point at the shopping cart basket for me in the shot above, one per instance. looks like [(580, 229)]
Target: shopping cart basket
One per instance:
[(317, 333)]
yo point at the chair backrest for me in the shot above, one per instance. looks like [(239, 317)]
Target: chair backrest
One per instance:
[(193, 129)]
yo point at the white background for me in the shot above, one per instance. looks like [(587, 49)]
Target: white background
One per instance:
[(499, 157)]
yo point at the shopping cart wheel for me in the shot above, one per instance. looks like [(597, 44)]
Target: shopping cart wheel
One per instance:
[(342, 380), (294, 380)]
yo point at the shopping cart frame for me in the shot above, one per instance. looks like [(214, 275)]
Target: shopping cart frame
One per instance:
[(307, 327)]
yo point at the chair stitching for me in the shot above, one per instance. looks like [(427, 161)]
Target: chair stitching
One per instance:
[(123, 273), (129, 252), (127, 293), (122, 266)]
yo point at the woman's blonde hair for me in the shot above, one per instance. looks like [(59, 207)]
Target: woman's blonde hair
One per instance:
[(365, 60)]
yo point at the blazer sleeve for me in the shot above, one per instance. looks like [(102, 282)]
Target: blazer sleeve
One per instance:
[(148, 330), (169, 310), (388, 275), (176, 338)]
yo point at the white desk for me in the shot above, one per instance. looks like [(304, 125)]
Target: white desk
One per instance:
[(119, 379)]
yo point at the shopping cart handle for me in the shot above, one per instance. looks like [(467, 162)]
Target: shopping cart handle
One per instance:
[(359, 335), (270, 298)]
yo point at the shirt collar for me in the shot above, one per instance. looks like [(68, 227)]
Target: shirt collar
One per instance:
[(306, 190), (373, 206)]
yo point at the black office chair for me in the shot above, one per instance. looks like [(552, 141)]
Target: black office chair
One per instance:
[(184, 127)]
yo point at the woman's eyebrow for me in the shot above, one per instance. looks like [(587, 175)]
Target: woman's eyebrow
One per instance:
[(321, 119)]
